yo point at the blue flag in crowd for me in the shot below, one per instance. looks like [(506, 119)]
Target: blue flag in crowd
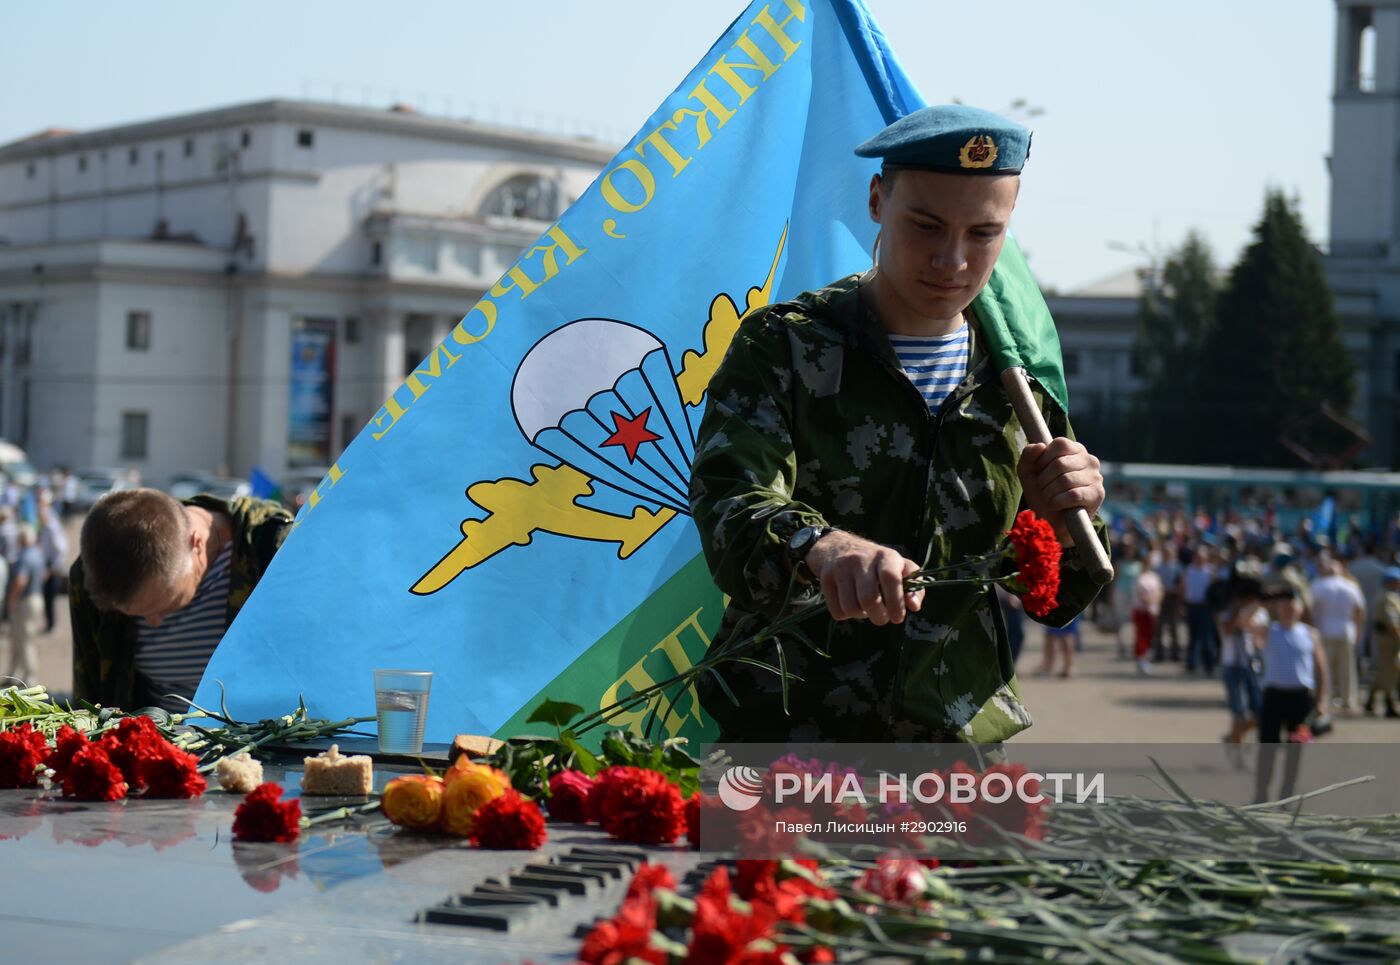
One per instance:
[(261, 485), (514, 518)]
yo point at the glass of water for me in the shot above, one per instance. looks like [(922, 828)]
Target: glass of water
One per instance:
[(401, 700)]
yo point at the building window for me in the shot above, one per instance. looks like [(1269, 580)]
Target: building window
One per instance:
[(30, 170), (133, 155), (376, 253), (246, 139), (352, 330), (134, 426), (306, 138), (82, 162), (1071, 363), (349, 426), (138, 331), (526, 196), (189, 147)]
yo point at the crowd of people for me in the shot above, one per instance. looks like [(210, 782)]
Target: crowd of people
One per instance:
[(1300, 626), (33, 568)]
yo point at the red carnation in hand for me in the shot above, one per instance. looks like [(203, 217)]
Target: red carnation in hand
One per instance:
[(263, 817), (636, 804), (168, 772), (568, 796), (626, 936), (67, 742), (509, 822), (91, 776), (22, 751), (1037, 562)]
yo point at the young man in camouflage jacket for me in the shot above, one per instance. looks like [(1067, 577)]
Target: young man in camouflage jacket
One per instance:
[(815, 433)]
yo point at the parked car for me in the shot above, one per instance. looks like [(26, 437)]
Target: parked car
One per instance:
[(15, 465), (93, 484), (184, 485)]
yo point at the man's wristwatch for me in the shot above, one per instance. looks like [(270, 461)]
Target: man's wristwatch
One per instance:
[(800, 544)]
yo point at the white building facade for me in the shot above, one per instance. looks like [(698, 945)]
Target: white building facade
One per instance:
[(246, 286)]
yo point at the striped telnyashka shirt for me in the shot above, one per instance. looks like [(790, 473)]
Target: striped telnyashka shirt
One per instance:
[(172, 656), (935, 364)]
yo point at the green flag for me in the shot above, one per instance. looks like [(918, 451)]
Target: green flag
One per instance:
[(1017, 326)]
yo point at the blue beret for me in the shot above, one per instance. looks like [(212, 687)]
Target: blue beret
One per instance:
[(1392, 574), (952, 137)]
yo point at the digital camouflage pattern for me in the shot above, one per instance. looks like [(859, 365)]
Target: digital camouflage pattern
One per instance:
[(811, 420), (104, 641)]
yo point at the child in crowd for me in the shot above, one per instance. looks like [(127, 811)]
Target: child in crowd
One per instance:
[(1295, 672)]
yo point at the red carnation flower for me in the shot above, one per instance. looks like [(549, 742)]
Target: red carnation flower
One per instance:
[(509, 823), (1014, 814), (721, 933), (898, 880), (128, 742), (67, 742), (692, 820), (649, 877), (568, 796), (758, 882), (636, 804), (168, 772), (263, 817), (1037, 562), (22, 751), (626, 936), (91, 776)]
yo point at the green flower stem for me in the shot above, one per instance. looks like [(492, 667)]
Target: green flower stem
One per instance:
[(739, 649)]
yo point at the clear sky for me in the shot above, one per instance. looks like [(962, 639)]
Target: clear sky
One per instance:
[(1158, 116)]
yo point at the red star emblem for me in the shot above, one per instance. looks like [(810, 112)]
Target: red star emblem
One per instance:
[(631, 433)]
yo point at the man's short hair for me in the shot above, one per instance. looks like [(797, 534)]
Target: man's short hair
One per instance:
[(130, 537)]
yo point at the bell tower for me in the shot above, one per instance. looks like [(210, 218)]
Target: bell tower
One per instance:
[(1365, 161)]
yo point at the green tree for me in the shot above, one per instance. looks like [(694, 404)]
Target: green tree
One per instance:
[(1175, 321), (1275, 355)]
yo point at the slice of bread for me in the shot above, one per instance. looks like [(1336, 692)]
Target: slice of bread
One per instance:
[(334, 773), (239, 773)]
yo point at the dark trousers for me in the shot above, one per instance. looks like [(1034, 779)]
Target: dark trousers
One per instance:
[(1201, 648), (50, 595), (1279, 708), (1282, 708), (1168, 623)]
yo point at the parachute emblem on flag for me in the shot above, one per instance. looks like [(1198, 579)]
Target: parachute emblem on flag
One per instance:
[(601, 396)]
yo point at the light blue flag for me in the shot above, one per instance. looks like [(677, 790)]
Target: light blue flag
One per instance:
[(514, 518)]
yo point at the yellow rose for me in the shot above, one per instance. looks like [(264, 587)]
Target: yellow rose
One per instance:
[(414, 801), (467, 787)]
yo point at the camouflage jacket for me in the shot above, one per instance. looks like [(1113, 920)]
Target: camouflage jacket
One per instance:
[(104, 641), (811, 420)]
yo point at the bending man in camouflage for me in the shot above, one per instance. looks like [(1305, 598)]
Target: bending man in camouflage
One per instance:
[(156, 586), (859, 428)]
